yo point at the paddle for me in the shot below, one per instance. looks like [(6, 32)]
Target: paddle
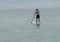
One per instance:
[(33, 18)]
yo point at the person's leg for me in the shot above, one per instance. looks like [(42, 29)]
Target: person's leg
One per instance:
[(39, 19), (36, 20)]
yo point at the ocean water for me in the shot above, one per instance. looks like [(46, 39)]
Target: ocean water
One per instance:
[(15, 26)]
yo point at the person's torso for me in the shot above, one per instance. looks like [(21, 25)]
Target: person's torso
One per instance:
[(37, 12)]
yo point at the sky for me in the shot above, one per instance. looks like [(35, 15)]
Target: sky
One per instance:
[(17, 4)]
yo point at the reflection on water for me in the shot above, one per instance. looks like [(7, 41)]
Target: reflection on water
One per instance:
[(38, 26)]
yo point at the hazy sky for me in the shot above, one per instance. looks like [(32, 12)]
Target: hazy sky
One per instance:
[(14, 4)]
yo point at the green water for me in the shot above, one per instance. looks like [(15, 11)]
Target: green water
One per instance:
[(15, 26)]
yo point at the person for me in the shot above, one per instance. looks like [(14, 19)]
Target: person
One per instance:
[(37, 15)]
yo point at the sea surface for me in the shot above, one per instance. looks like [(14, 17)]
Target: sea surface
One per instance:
[(15, 26)]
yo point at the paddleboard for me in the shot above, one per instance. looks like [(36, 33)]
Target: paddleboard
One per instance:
[(35, 22)]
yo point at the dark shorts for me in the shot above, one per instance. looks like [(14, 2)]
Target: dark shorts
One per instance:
[(37, 16)]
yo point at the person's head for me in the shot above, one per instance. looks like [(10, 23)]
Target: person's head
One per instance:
[(36, 9)]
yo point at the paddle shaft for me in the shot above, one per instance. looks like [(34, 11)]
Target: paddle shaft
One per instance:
[(33, 18)]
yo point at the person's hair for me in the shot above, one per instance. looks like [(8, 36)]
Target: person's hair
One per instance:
[(36, 9)]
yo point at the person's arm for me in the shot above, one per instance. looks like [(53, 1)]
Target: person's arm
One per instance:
[(35, 13)]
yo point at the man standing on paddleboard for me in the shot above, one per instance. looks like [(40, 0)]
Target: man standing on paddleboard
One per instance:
[(37, 15)]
